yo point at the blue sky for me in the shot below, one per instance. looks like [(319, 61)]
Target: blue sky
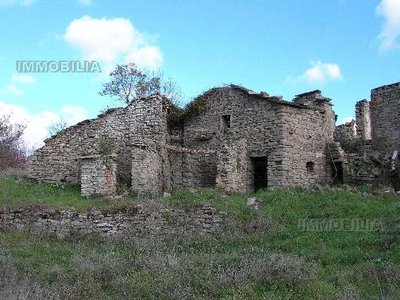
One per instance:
[(342, 47)]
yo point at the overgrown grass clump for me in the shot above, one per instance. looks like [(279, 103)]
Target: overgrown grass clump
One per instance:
[(262, 253)]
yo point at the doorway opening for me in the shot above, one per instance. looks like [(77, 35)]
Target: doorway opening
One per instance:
[(260, 167), (337, 172)]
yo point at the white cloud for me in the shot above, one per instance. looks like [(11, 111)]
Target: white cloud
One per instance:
[(148, 56), (390, 11), (111, 41), (319, 73), (73, 114), (14, 90), (37, 124), (85, 2), (23, 78)]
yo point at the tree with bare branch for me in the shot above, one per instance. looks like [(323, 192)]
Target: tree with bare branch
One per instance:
[(129, 83), (56, 127), (11, 155)]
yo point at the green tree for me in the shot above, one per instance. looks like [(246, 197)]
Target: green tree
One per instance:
[(129, 83)]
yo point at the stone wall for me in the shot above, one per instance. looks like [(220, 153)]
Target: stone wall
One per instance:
[(232, 169), (98, 175), (363, 120), (143, 122), (385, 120), (346, 131), (366, 166), (147, 168), (238, 139), (377, 134), (149, 132), (360, 128), (126, 223), (175, 158), (59, 160), (307, 132), (287, 134), (251, 118)]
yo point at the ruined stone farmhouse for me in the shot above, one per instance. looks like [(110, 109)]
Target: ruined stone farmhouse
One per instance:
[(367, 142), (234, 139), (238, 140)]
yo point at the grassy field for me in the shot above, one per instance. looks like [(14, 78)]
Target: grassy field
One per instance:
[(20, 190), (262, 254)]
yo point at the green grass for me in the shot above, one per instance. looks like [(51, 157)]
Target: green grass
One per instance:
[(213, 197), (20, 190), (262, 254)]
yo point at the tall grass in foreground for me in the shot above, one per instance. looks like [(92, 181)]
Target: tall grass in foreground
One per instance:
[(261, 254), (229, 266)]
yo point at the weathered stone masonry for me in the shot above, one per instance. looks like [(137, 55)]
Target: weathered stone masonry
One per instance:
[(363, 120), (240, 141), (126, 223), (377, 134), (98, 175), (264, 134), (59, 160), (385, 117)]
